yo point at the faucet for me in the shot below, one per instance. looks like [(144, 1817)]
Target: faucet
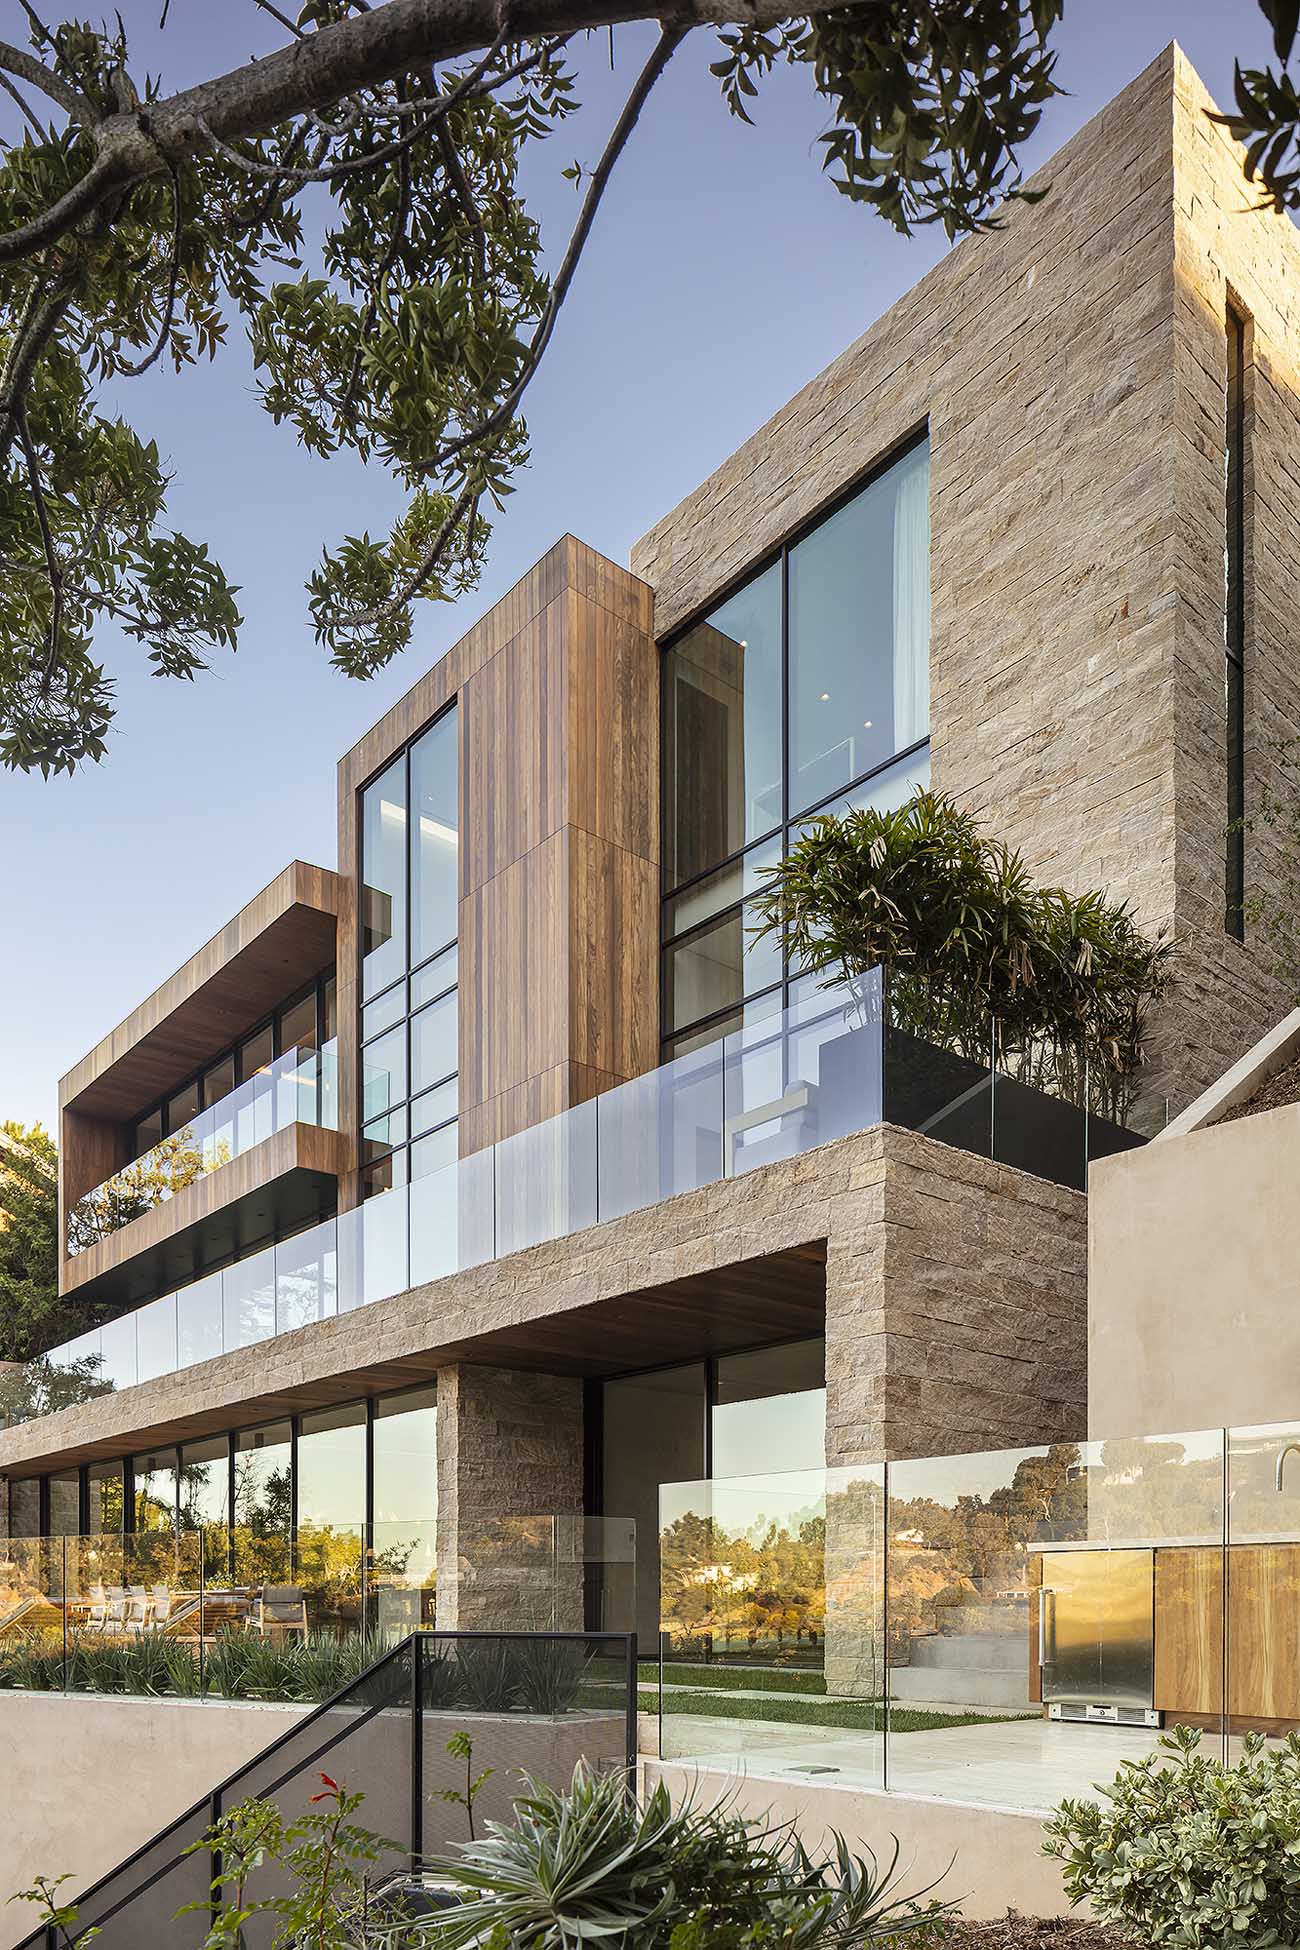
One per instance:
[(1289, 1449)]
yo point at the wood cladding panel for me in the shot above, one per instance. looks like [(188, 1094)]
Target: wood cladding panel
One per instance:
[(512, 781), (513, 964), (280, 940), (613, 957), (298, 1147), (1264, 1631), (1189, 1631), (612, 728), (91, 1149)]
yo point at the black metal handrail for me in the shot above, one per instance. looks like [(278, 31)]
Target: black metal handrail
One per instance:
[(226, 1793)]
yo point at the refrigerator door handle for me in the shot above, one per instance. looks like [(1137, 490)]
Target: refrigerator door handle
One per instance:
[(1045, 1592)]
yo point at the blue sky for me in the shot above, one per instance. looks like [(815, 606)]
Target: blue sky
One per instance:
[(724, 271)]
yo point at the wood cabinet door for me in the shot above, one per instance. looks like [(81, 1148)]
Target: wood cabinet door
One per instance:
[(1189, 1631), (1264, 1631)]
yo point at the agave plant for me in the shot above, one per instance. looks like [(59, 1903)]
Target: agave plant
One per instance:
[(487, 1675), (589, 1863), (549, 1674)]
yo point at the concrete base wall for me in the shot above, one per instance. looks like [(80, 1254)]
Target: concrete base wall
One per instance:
[(85, 1781), (995, 1854)]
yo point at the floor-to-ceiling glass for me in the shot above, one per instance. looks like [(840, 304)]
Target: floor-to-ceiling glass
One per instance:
[(331, 1507), (263, 1505), (404, 1448)]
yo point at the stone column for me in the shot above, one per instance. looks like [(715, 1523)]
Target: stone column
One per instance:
[(510, 1482)]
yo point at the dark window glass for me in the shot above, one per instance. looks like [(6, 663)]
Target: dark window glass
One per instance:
[(330, 1009), (104, 1498), (25, 1507), (722, 731), (256, 1053), (298, 1024), (183, 1108), (148, 1132), (654, 1428), (154, 1480), (384, 1133), (435, 839), (384, 1176), (769, 1411), (219, 1081), (383, 870), (433, 1042), (860, 633)]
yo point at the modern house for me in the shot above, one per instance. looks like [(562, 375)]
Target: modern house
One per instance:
[(499, 1173)]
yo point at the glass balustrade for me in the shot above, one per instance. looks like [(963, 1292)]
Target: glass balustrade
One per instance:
[(832, 1063), (298, 1087)]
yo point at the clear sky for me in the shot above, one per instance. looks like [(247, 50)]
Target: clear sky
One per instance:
[(723, 272)]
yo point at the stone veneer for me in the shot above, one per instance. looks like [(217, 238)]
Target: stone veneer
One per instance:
[(1072, 369), (955, 1320)]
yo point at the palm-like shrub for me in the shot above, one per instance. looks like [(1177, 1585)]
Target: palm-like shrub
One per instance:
[(590, 1864), (965, 937)]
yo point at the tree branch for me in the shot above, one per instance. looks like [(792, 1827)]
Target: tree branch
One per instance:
[(106, 174), (665, 47), (38, 76), (52, 565), (459, 181), (41, 315), (133, 371), (25, 106)]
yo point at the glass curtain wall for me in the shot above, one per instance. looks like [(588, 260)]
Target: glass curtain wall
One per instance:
[(753, 1414), (805, 692), (154, 1492), (410, 869), (105, 1498), (404, 1499)]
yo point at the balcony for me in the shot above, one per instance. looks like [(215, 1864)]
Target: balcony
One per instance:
[(299, 1087), (773, 1090)]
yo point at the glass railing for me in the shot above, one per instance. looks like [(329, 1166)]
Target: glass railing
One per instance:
[(261, 1612), (777, 1087), (298, 1087), (1001, 1628)]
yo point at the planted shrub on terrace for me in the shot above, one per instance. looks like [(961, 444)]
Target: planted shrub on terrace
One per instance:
[(964, 935)]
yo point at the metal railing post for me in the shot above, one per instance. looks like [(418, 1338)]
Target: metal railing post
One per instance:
[(630, 1673), (214, 1858), (417, 1751)]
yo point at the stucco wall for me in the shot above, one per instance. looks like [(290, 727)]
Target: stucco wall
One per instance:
[(86, 1781), (1072, 368), (989, 1859), (1194, 1280)]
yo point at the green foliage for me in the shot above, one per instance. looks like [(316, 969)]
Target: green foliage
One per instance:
[(59, 1919), (30, 1313), (929, 103), (1266, 117), (589, 1863), (324, 1855), (1186, 1851), (237, 1665), (461, 1747), (963, 934)]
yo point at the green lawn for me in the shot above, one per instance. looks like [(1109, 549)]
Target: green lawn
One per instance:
[(864, 1715), (718, 1679)]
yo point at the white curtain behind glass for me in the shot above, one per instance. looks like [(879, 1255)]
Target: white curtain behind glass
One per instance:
[(912, 600)]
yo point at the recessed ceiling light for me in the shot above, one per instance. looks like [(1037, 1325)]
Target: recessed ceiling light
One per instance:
[(826, 697), (866, 724)]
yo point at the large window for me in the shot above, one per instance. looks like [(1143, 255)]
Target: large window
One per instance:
[(331, 1492), (410, 869), (307, 1022), (807, 691), (752, 1414)]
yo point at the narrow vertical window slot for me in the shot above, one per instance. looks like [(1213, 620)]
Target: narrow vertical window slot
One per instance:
[(1234, 636)]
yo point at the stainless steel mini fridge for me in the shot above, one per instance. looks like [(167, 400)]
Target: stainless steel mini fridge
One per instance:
[(1096, 1634)]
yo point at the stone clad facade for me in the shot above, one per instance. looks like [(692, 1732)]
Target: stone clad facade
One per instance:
[(1072, 370)]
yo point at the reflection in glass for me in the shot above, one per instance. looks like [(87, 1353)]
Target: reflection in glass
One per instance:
[(154, 1485), (263, 1465), (248, 1300), (722, 731), (433, 1043), (769, 1410), (860, 633), (653, 1428), (383, 872), (306, 1278), (205, 1485), (383, 1072), (65, 1503), (436, 977), (716, 967), (405, 1446), (332, 1467), (156, 1338), (435, 882), (104, 1498)]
